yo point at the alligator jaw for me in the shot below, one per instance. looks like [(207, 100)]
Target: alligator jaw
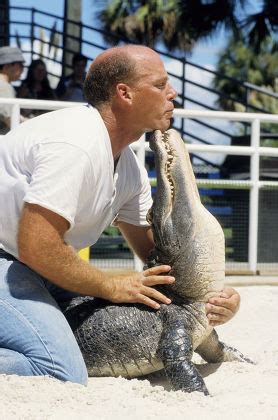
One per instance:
[(186, 235), (166, 156)]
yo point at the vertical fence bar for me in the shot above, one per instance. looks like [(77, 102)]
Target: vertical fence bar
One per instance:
[(254, 197), (65, 34), (183, 92), (15, 115), (32, 35), (80, 37)]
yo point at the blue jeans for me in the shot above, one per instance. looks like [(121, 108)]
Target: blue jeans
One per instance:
[(35, 338)]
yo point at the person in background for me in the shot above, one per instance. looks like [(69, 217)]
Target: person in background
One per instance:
[(11, 66), (70, 88), (36, 86)]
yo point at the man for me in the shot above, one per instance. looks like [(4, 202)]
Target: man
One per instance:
[(70, 88), (65, 176), (11, 66)]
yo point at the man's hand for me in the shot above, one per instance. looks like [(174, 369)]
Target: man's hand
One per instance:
[(41, 246), (221, 309), (137, 288)]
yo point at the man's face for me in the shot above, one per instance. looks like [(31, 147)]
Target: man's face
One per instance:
[(39, 72), (13, 71), (153, 95)]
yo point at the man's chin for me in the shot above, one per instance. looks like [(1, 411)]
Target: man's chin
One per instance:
[(163, 126)]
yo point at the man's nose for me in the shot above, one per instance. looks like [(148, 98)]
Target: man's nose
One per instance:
[(172, 93)]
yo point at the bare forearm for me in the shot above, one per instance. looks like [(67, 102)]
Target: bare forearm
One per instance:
[(139, 238), (42, 247), (64, 268)]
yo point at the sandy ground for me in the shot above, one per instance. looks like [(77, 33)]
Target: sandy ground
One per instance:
[(238, 390)]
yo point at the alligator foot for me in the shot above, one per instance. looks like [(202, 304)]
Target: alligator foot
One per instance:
[(231, 354), (175, 351), (214, 351), (185, 377)]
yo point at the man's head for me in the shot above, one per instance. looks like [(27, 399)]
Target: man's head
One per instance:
[(79, 63), (11, 62), (132, 79)]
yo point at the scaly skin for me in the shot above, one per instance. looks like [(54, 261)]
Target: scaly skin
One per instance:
[(134, 340)]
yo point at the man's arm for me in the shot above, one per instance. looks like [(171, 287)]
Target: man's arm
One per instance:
[(41, 246), (140, 238), (219, 310)]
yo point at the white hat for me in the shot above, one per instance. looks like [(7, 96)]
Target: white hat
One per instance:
[(10, 55)]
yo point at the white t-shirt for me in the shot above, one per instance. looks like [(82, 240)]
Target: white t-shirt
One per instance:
[(63, 161)]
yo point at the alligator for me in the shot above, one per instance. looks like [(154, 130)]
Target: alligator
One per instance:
[(132, 340)]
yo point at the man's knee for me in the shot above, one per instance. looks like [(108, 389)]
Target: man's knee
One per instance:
[(78, 376), (70, 370), (16, 363)]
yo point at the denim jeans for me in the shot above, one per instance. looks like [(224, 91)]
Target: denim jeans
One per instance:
[(35, 338)]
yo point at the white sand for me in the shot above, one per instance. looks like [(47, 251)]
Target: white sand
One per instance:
[(238, 390)]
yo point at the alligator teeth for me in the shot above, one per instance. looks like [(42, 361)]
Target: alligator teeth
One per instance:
[(170, 159)]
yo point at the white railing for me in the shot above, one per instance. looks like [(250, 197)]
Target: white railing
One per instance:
[(254, 151), (16, 104)]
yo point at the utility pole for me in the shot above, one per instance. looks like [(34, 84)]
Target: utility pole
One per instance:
[(4, 23), (72, 34)]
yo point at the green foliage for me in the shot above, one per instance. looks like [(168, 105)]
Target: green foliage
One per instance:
[(181, 23), (141, 21), (246, 65)]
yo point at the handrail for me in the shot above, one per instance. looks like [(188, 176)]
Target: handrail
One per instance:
[(261, 90), (38, 103), (230, 115)]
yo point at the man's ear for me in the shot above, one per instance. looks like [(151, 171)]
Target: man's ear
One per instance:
[(124, 92)]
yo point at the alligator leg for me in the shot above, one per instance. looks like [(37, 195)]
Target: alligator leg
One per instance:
[(214, 351), (175, 351)]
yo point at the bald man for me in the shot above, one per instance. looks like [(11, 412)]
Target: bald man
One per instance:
[(65, 176)]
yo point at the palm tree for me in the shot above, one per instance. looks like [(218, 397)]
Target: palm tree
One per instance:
[(244, 64), (262, 24), (181, 23), (177, 23)]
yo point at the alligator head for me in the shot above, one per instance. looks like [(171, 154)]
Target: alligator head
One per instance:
[(186, 235)]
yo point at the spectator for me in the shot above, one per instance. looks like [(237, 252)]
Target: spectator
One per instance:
[(36, 86), (11, 66), (70, 88)]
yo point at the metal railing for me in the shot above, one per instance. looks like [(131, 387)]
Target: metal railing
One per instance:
[(254, 151)]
